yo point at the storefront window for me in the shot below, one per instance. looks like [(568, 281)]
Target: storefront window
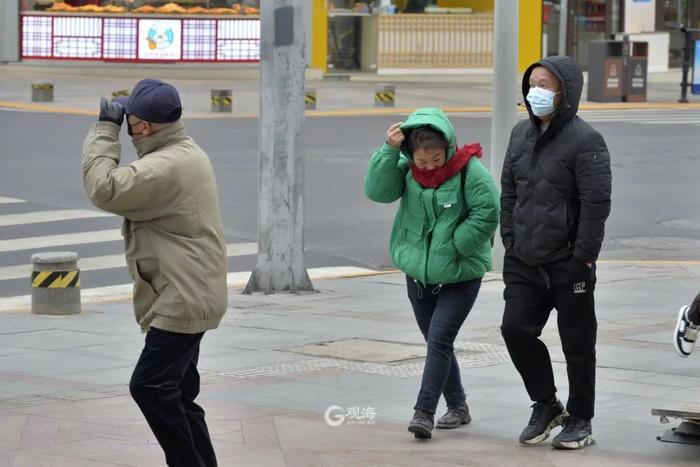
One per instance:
[(671, 16), (587, 20), (411, 6), (551, 14)]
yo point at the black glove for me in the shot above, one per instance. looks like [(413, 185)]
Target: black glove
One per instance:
[(111, 112)]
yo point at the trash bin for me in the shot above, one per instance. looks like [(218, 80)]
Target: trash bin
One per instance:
[(605, 71), (637, 65)]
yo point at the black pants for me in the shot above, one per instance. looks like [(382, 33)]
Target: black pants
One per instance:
[(530, 295), (165, 384), (440, 312)]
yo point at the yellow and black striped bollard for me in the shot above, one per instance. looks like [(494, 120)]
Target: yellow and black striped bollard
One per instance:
[(42, 92), (121, 93), (55, 283), (221, 100), (310, 98), (385, 95)]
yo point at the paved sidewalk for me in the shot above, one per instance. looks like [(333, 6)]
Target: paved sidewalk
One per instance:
[(78, 90), (269, 373)]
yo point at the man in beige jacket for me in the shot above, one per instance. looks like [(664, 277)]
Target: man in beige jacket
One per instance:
[(175, 253)]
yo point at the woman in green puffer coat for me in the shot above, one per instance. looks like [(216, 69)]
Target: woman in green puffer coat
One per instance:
[(441, 240)]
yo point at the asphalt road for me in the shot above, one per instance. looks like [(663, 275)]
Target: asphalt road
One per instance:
[(656, 162)]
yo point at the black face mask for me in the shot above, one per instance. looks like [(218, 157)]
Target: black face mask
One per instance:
[(130, 130)]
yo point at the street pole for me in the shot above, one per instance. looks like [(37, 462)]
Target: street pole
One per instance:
[(9, 31), (505, 95), (280, 262), (688, 54), (563, 25)]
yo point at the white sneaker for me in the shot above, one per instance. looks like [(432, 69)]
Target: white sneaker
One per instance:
[(686, 333)]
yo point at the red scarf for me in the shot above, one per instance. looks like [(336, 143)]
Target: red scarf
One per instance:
[(435, 177)]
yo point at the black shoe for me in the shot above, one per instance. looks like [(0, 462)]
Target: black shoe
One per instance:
[(576, 434), (455, 417), (544, 418), (422, 424)]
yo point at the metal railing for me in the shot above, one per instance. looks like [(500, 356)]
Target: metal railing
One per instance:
[(435, 41)]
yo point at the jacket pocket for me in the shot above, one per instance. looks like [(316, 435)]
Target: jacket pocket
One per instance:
[(446, 199), (521, 189), (144, 295), (566, 223), (412, 226), (578, 270)]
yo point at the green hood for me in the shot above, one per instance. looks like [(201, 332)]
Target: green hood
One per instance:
[(435, 118), (441, 235)]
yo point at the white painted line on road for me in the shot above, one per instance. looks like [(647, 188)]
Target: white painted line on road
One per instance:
[(49, 216), (642, 118), (47, 241), (4, 200), (97, 263), (123, 292)]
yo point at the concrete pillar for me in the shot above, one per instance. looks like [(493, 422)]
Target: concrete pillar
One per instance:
[(505, 95), (55, 283), (280, 263), (529, 32), (9, 31), (563, 25), (319, 35)]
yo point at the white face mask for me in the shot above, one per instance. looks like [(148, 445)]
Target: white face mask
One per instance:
[(541, 101)]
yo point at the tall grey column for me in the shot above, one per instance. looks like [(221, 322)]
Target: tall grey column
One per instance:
[(563, 25), (9, 31), (505, 95), (280, 264)]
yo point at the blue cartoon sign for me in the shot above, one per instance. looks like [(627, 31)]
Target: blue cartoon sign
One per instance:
[(160, 39)]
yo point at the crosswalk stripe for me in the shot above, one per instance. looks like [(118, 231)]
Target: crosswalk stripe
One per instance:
[(49, 216), (47, 241), (643, 117), (123, 292), (97, 263), (650, 122), (689, 117), (5, 200)]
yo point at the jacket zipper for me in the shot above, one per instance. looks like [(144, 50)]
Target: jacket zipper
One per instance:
[(566, 223), (428, 239), (531, 186)]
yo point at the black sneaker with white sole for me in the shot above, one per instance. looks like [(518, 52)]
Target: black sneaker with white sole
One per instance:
[(685, 334), (544, 418), (576, 434)]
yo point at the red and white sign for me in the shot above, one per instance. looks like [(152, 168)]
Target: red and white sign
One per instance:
[(134, 39)]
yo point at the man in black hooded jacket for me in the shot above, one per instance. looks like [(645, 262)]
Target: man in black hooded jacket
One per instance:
[(555, 199)]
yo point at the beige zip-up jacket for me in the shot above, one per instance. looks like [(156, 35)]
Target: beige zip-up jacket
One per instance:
[(175, 247)]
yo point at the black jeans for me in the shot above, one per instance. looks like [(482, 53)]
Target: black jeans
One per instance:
[(440, 312), (530, 295), (165, 384)]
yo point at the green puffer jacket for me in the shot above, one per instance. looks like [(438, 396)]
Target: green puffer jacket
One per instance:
[(443, 235)]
